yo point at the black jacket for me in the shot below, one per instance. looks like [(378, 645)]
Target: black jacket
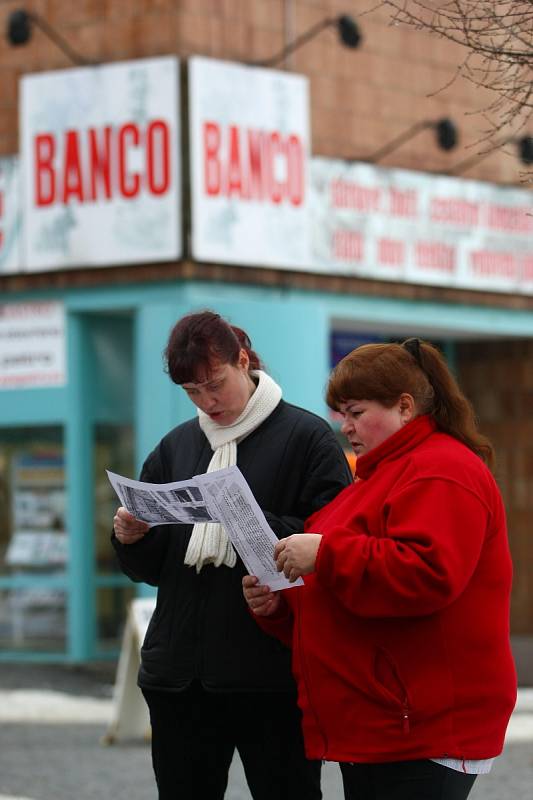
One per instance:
[(201, 627)]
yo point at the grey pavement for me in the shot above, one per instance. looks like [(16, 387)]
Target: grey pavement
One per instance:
[(48, 756)]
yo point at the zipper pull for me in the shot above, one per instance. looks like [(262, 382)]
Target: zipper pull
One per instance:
[(405, 721)]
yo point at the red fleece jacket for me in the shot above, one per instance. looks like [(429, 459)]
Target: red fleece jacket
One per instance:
[(401, 635)]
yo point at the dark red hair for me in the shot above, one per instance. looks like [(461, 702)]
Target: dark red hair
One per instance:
[(198, 341)]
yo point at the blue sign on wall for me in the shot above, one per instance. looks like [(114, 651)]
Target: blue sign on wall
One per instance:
[(343, 342)]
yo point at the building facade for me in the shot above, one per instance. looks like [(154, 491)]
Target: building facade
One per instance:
[(83, 388)]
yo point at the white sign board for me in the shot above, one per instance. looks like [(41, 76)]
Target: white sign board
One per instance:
[(101, 172), (400, 225), (250, 143), (32, 345), (130, 719), (10, 215)]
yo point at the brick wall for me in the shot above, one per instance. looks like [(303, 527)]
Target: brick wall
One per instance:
[(498, 379), (361, 99)]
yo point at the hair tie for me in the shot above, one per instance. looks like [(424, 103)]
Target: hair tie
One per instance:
[(413, 348)]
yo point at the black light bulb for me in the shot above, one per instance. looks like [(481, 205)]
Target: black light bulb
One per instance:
[(349, 33), (18, 28), (446, 134), (525, 148)]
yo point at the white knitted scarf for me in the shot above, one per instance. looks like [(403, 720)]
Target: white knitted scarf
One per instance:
[(209, 543)]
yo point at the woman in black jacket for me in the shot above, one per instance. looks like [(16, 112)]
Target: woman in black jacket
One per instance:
[(206, 668)]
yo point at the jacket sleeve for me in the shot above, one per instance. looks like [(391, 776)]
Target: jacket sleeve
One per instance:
[(279, 625), (143, 561), (434, 530), (326, 473)]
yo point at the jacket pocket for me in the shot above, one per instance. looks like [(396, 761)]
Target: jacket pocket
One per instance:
[(391, 687), (154, 634)]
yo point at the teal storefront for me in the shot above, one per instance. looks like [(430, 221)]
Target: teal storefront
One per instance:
[(116, 403)]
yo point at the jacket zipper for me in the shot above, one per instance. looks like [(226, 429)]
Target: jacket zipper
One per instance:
[(405, 721), (405, 717)]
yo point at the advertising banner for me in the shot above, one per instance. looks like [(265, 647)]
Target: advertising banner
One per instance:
[(32, 345), (415, 227), (10, 215), (250, 143), (100, 149)]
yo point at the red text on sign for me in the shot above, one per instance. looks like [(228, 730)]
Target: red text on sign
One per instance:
[(98, 163), (355, 196), (251, 164), (435, 256), (494, 264), (403, 202), (454, 211), (510, 218), (348, 245), (391, 252)]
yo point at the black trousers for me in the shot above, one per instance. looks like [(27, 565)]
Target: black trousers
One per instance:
[(195, 733), (405, 780)]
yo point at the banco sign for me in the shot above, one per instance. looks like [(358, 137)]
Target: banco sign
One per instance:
[(251, 164), (249, 135), (101, 168), (94, 165)]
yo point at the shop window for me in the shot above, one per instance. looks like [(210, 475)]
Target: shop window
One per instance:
[(33, 539)]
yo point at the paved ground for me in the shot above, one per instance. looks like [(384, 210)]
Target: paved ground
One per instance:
[(52, 720)]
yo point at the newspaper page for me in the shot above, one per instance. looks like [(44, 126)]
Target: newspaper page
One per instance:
[(232, 501), (220, 496), (176, 503)]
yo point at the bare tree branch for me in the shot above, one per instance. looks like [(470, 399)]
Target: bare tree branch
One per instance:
[(498, 37)]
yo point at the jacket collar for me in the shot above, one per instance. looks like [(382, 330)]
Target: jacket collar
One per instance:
[(396, 445)]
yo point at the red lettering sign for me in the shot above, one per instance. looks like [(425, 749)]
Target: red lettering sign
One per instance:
[(391, 252), (494, 264), (347, 246), (510, 218), (102, 164), (72, 181), (129, 182), (454, 211), (235, 178), (295, 178), (211, 158), (435, 256), (255, 165), (251, 164), (348, 194), (158, 157), (45, 182), (403, 203)]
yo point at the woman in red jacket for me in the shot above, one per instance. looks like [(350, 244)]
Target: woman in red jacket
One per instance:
[(400, 635)]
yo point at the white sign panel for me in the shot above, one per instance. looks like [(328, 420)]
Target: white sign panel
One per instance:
[(249, 133), (400, 225), (100, 148), (32, 345), (10, 215)]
